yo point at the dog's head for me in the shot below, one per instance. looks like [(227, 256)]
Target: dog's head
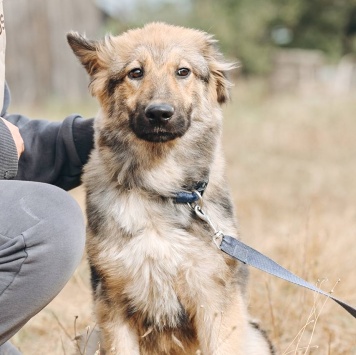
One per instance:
[(153, 81)]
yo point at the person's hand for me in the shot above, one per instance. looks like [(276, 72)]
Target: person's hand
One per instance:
[(20, 146)]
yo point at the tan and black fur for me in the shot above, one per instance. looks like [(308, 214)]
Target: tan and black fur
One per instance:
[(161, 286)]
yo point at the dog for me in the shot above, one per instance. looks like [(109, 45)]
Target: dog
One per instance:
[(160, 284)]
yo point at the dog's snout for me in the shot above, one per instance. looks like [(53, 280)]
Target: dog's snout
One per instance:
[(159, 113)]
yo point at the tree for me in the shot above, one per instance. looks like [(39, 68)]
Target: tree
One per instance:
[(319, 24)]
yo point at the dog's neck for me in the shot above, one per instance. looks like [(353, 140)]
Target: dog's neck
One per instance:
[(159, 169)]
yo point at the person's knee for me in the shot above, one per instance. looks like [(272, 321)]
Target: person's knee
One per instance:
[(61, 228)]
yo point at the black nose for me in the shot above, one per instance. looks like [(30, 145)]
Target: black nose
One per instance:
[(159, 113)]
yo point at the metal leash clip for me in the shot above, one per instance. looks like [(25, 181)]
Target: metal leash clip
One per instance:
[(197, 208), (198, 202)]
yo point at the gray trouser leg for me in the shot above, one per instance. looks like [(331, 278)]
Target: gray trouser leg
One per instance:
[(8, 349), (42, 238)]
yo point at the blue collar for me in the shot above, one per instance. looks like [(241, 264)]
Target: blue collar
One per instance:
[(190, 197)]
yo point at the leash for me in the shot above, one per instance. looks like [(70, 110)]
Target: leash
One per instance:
[(249, 256)]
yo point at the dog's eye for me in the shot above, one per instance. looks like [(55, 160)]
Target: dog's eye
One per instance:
[(183, 72), (136, 73)]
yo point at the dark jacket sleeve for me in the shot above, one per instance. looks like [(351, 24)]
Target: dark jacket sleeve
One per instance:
[(55, 152), (8, 153)]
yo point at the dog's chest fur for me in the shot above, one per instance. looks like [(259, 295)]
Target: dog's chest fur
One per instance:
[(158, 256)]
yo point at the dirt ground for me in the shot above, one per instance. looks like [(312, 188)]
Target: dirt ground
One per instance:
[(291, 163)]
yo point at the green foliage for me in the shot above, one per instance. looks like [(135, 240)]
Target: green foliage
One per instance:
[(241, 26), (245, 27), (318, 24)]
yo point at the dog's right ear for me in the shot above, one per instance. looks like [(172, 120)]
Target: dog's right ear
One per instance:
[(86, 50)]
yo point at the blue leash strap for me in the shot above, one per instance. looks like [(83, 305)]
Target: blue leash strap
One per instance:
[(249, 256)]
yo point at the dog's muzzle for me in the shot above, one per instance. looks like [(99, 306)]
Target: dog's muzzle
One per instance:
[(159, 122)]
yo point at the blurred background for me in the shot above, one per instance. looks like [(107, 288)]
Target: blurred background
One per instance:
[(289, 139), (297, 45)]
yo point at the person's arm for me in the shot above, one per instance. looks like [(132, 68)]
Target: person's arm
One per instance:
[(55, 152), (8, 153)]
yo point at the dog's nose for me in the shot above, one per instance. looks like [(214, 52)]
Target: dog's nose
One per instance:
[(159, 113)]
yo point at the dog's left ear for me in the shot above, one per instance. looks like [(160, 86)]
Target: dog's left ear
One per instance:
[(219, 68)]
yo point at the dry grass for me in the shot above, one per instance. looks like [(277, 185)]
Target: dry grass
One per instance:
[(292, 166)]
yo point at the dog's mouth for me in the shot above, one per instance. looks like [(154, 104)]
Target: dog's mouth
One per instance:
[(159, 123), (157, 136)]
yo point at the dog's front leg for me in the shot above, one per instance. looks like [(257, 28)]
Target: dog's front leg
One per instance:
[(118, 339), (117, 336), (223, 331)]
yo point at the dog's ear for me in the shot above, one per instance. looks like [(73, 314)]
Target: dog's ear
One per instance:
[(219, 68), (86, 50), (220, 72)]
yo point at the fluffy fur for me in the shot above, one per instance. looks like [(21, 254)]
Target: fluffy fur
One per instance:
[(160, 284)]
